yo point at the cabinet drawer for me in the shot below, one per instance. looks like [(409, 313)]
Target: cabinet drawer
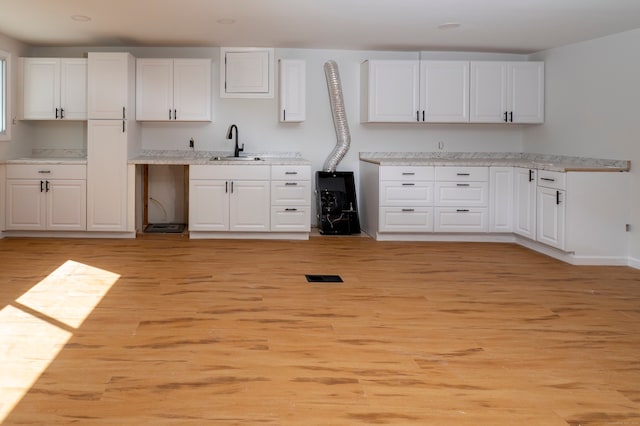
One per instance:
[(462, 174), (407, 219), (290, 219), (46, 171), (406, 173), (555, 180), (461, 220), (290, 172), (230, 172), (296, 193), (406, 193), (472, 194)]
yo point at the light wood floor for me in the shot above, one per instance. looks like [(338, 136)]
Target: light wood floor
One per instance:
[(230, 333)]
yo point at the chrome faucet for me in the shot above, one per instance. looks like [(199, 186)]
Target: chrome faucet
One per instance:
[(237, 150)]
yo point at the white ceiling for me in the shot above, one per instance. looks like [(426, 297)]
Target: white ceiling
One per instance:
[(517, 26)]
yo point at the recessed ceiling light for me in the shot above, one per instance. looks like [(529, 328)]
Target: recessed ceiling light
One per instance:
[(226, 21), (80, 18), (449, 26)]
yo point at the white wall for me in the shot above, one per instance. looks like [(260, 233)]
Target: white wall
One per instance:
[(592, 109)]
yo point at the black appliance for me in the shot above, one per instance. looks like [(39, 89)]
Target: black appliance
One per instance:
[(337, 208)]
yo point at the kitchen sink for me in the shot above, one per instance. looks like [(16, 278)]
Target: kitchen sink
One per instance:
[(232, 158)]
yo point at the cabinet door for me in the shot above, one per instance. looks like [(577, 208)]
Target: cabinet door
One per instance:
[(391, 91), (488, 98), (154, 89), (66, 205), (106, 176), (526, 91), (524, 202), (25, 204), (41, 88), (73, 89), (444, 91), (110, 85), (249, 206), (550, 218), (192, 89), (209, 205), (292, 90), (247, 73), (501, 199)]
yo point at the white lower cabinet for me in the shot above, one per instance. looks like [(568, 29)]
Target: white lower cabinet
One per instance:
[(551, 208), (46, 198), (524, 202), (290, 198), (406, 199), (501, 199), (462, 197), (229, 198)]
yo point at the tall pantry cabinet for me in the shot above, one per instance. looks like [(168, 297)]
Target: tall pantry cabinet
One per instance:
[(111, 136)]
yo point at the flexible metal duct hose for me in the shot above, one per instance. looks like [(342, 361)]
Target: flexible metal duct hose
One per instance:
[(339, 117)]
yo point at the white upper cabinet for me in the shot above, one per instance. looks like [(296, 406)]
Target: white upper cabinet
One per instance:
[(173, 89), (111, 85), (507, 92), (246, 72), (54, 88), (444, 91), (292, 88), (409, 91)]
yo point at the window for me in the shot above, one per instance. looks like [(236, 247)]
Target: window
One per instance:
[(5, 59)]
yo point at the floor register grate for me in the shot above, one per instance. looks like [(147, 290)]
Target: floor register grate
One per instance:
[(165, 228), (324, 278)]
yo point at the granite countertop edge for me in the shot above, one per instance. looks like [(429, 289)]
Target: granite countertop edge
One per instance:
[(189, 158), (557, 163)]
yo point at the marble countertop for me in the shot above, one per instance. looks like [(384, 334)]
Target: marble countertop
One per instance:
[(205, 158), (36, 160), (558, 163)]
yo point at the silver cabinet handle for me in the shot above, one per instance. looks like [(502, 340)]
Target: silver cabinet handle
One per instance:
[(408, 184), (291, 184), (44, 171), (462, 184), (463, 174), (408, 174), (408, 210), (548, 179), (290, 173)]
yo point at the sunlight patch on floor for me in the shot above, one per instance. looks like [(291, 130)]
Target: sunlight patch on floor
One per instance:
[(29, 343)]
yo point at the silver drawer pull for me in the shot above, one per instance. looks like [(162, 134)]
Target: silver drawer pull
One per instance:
[(408, 174), (548, 179), (462, 184), (462, 210), (290, 184), (290, 210), (408, 210), (408, 184), (290, 173), (44, 171), (463, 174)]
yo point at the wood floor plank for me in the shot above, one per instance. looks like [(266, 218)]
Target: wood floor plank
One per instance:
[(227, 332)]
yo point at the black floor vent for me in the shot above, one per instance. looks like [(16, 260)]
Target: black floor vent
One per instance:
[(324, 279), (165, 228)]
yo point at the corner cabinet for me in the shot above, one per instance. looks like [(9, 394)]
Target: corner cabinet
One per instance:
[(410, 91), (292, 90), (173, 89), (507, 92), (54, 88)]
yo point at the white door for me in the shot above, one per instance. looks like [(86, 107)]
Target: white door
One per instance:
[(41, 88), (524, 202), (67, 205), (488, 92), (249, 206), (444, 91), (192, 89), (551, 215), (26, 204), (110, 78), (107, 175), (393, 91), (292, 90), (209, 205), (526, 87), (154, 89), (501, 199), (73, 89)]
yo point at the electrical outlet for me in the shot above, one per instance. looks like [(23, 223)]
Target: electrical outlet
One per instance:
[(627, 227), (440, 145)]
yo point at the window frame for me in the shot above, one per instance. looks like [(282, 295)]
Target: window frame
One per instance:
[(5, 96)]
